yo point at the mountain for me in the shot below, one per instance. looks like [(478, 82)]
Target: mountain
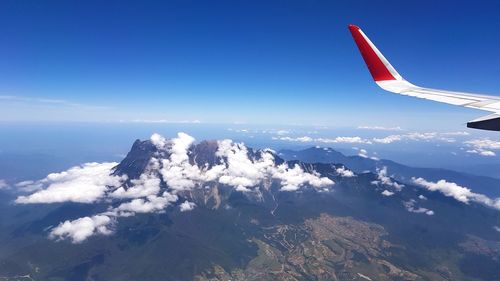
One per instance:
[(489, 170), (482, 184), (364, 227)]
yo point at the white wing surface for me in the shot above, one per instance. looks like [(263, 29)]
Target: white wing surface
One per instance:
[(389, 79)]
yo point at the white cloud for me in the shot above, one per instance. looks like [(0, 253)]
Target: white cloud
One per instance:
[(150, 204), (241, 171), (484, 143), (167, 174), (483, 147), (305, 139), (496, 228), (3, 184), (244, 173), (387, 193), (380, 128), (344, 172), (388, 139), (410, 207), (295, 178), (456, 134), (385, 180), (421, 197), (460, 193), (158, 140), (84, 184), (416, 136), (481, 152), (297, 139), (80, 229), (413, 136), (282, 132), (363, 153), (344, 140), (29, 186), (176, 170), (146, 185), (165, 121), (187, 206)]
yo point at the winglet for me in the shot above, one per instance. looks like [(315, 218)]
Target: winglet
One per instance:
[(379, 67)]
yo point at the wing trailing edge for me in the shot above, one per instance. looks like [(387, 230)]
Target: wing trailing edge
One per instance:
[(386, 77)]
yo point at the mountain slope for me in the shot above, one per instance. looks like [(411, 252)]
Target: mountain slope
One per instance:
[(349, 231)]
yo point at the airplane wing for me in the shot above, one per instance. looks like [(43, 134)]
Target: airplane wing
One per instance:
[(389, 79)]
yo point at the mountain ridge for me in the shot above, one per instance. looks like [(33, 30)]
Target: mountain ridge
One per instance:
[(481, 184), (365, 224)]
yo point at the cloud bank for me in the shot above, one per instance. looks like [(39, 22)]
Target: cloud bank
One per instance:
[(460, 193), (483, 147), (83, 184), (168, 175)]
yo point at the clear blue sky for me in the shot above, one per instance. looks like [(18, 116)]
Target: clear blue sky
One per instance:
[(282, 62)]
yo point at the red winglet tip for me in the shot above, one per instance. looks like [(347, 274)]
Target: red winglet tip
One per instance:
[(378, 70), (353, 27)]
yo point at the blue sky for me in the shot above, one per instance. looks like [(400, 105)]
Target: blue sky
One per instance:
[(256, 62)]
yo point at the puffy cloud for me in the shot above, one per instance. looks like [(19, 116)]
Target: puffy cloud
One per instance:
[(460, 193), (387, 193), (241, 171), (150, 204), (168, 173), (293, 179), (450, 189), (84, 184), (481, 152), (421, 197), (385, 180), (484, 143), (176, 170), (363, 153), (483, 147), (410, 207), (496, 228), (159, 141), (344, 172), (146, 185), (187, 206), (80, 229), (237, 169)]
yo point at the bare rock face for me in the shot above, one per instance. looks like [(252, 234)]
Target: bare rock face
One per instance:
[(136, 160)]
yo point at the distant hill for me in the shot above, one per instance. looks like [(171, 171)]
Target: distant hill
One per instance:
[(480, 184)]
